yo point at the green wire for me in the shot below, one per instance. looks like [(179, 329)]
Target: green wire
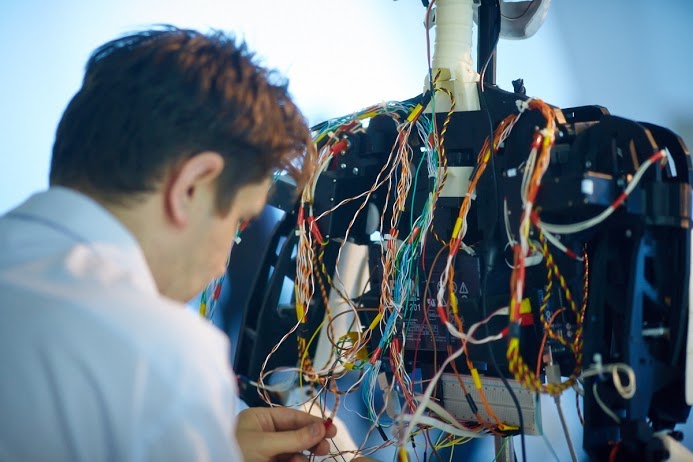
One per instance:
[(505, 441)]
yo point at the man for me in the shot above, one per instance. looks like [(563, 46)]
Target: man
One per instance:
[(168, 145)]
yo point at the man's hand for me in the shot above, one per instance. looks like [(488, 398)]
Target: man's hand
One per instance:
[(281, 434)]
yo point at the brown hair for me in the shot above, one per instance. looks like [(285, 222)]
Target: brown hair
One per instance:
[(154, 98)]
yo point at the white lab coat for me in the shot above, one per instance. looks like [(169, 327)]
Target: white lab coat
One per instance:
[(95, 364)]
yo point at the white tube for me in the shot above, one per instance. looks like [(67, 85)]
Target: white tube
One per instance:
[(354, 275), (452, 54)]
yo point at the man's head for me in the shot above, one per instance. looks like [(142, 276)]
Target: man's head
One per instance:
[(177, 133)]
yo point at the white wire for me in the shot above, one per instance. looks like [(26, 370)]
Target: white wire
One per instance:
[(589, 223), (506, 220), (556, 243), (281, 387), (527, 174), (627, 391), (468, 337), (429, 391), (566, 432), (538, 423), (603, 405), (435, 423)]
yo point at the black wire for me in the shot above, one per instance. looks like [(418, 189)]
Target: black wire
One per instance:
[(498, 371), (489, 266), (491, 256)]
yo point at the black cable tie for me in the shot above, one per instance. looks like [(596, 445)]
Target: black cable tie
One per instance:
[(425, 99), (382, 433), (514, 330), (472, 404)]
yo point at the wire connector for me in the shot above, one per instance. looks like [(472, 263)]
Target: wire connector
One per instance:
[(553, 373)]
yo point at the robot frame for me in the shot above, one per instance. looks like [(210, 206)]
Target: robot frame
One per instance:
[(605, 256)]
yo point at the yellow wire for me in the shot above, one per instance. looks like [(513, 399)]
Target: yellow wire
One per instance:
[(305, 353)]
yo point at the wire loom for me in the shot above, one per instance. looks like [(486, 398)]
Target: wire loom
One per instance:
[(398, 259), (420, 148), (384, 344)]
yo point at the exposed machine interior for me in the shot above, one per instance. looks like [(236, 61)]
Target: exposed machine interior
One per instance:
[(461, 252)]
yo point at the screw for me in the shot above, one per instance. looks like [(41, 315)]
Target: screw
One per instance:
[(355, 171), (343, 166)]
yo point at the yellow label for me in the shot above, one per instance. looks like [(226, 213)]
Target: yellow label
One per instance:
[(456, 229), (353, 338), (453, 302), (477, 378), (525, 307), (375, 321), (506, 428), (414, 113)]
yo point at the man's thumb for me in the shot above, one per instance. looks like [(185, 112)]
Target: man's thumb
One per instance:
[(294, 440)]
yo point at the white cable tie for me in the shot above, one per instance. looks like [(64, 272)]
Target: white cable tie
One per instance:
[(598, 365), (522, 106), (467, 249), (237, 239), (387, 237)]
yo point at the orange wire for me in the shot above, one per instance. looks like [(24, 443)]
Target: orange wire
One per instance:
[(543, 342)]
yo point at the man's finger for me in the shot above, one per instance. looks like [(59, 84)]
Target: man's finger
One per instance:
[(321, 449), (285, 418), (283, 442), (330, 429)]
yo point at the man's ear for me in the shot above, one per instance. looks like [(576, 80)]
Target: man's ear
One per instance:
[(191, 178)]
